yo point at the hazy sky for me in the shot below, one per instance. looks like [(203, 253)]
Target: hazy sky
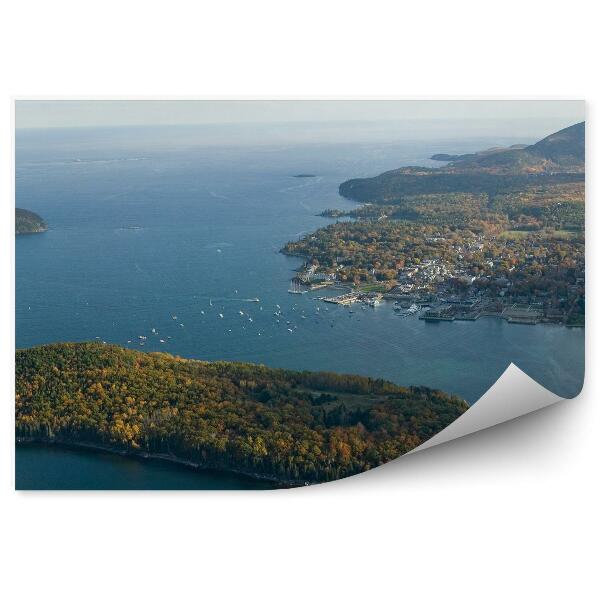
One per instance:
[(86, 113)]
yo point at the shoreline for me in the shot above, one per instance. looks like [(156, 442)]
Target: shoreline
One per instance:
[(171, 458), (350, 289)]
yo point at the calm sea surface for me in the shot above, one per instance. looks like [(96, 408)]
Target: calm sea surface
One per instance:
[(42, 467), (142, 231)]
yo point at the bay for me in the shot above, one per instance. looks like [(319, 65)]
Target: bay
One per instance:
[(150, 231)]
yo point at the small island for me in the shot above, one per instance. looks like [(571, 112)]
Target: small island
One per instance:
[(289, 427), (27, 221), (301, 175)]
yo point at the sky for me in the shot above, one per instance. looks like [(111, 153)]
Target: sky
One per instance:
[(281, 121), (86, 113)]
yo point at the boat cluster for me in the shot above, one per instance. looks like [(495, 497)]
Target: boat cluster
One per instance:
[(290, 319), (220, 312)]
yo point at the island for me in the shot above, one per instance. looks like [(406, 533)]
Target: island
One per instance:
[(301, 175), (294, 428), (500, 233), (28, 222)]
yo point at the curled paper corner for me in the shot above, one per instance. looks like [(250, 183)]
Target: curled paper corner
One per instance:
[(514, 394)]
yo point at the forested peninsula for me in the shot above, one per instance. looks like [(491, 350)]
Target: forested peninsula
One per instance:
[(291, 427)]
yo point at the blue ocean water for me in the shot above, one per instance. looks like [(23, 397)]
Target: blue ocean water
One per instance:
[(145, 226), (43, 467)]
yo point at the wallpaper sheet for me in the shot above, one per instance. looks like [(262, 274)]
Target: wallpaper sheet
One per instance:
[(274, 294)]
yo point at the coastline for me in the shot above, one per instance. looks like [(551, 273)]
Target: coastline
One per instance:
[(351, 288), (171, 458)]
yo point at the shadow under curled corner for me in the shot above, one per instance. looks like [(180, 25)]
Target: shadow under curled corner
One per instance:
[(514, 394)]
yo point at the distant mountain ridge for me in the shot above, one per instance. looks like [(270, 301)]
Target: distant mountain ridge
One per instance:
[(558, 158), (563, 149)]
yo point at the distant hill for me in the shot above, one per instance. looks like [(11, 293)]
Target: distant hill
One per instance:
[(558, 158), (564, 149), (28, 222)]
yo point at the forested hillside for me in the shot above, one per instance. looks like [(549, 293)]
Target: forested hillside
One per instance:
[(290, 426)]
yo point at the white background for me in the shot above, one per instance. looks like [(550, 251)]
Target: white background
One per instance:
[(507, 513)]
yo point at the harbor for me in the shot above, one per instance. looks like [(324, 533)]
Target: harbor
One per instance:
[(430, 303)]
